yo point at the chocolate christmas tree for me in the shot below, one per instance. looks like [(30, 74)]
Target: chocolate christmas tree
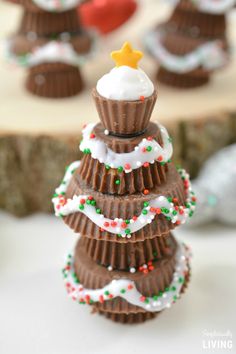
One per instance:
[(192, 43), (52, 44), (124, 197)]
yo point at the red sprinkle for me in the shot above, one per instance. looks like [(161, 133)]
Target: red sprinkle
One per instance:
[(123, 225), (146, 191), (181, 211), (160, 158), (106, 224), (130, 287), (152, 210), (127, 166), (101, 229), (145, 271), (110, 296), (158, 210), (101, 299), (151, 267), (82, 201), (175, 200), (92, 136), (142, 98), (146, 164), (149, 138), (142, 298), (113, 223), (134, 217), (90, 198), (144, 149)]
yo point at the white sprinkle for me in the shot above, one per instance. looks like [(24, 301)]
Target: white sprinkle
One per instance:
[(138, 163), (132, 270), (110, 268), (106, 132)]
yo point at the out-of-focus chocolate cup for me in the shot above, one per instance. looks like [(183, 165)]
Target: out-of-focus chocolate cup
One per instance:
[(131, 318), (183, 81), (124, 117), (54, 80), (49, 23), (187, 18)]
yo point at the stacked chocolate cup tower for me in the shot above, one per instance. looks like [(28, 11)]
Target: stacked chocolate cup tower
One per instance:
[(51, 43), (191, 44), (124, 197)]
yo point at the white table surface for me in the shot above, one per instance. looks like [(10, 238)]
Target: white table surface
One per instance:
[(37, 317)]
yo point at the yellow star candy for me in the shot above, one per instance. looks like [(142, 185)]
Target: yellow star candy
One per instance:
[(127, 56)]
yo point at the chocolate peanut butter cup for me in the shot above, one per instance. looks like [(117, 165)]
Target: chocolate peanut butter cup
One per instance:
[(49, 23), (124, 117), (125, 207), (102, 178), (54, 80), (128, 255)]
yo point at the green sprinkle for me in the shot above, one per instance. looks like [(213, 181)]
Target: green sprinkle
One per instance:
[(145, 204), (144, 211), (169, 199), (174, 212), (88, 201), (149, 148), (55, 195), (119, 235), (123, 291), (155, 297), (173, 288), (117, 181), (98, 211), (127, 231), (106, 292), (93, 202), (127, 222), (120, 169), (175, 298), (146, 301), (167, 289), (81, 206), (108, 167), (181, 280)]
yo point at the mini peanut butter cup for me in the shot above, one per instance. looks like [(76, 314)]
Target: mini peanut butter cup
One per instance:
[(124, 117)]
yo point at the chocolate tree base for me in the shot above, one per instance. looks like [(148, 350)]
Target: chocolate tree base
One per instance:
[(47, 81), (131, 318), (183, 81)]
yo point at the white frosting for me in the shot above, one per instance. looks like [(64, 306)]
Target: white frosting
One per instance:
[(116, 287), (57, 5), (209, 56), (51, 52), (125, 84), (165, 206), (135, 158), (215, 7)]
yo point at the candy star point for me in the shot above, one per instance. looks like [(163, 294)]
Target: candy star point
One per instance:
[(127, 56)]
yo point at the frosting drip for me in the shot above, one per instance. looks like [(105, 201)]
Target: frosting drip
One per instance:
[(124, 228), (148, 151)]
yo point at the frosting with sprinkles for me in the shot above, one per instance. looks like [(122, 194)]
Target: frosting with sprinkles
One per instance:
[(209, 56), (52, 51), (147, 151), (86, 204), (126, 288)]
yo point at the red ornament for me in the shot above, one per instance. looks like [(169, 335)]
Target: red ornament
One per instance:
[(106, 15)]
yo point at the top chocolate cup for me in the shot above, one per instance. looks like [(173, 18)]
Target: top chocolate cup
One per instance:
[(124, 117)]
